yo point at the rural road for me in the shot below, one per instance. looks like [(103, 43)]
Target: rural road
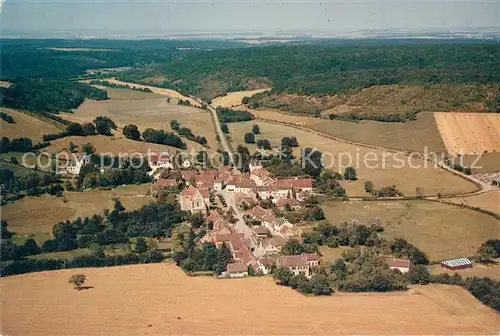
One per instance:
[(240, 225), (222, 136)]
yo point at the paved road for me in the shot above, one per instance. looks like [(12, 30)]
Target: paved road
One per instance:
[(240, 225)]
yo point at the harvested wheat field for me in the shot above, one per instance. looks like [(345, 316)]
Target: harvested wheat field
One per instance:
[(161, 91), (110, 144), (413, 136), (159, 299), (489, 201), (469, 133), (149, 113), (232, 99), (37, 215), (383, 171), (26, 126), (442, 231)]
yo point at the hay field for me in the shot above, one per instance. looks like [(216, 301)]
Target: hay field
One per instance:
[(489, 201), (158, 299), (478, 270), (407, 179), (37, 215), (155, 113), (232, 99), (157, 90), (487, 163), (469, 133), (442, 231), (409, 136), (26, 126), (109, 144)]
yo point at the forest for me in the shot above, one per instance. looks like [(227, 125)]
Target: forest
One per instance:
[(326, 69), (48, 96)]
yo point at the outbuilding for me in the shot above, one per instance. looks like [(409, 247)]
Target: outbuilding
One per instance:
[(456, 264)]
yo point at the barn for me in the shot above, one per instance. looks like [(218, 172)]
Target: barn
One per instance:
[(456, 264)]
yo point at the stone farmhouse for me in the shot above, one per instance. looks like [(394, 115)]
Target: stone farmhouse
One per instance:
[(299, 264)]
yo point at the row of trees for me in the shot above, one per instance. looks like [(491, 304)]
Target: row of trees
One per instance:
[(34, 183), (119, 86), (100, 125), (15, 145)]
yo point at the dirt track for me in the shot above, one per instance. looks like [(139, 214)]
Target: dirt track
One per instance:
[(469, 133), (160, 300)]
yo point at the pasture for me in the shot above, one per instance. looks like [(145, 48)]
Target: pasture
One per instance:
[(469, 133), (232, 99), (37, 215), (386, 170), (26, 126), (159, 299), (442, 231), (149, 113)]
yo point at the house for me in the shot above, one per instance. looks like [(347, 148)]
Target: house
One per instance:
[(248, 199), (260, 231), (266, 218), (300, 264), (243, 184), (159, 159), (205, 192), (266, 265), (73, 168), (456, 264), (189, 175), (297, 264), (254, 165), (237, 270), (291, 202), (259, 176), (403, 265), (272, 245), (263, 192), (191, 199), (238, 246), (163, 184), (218, 184)]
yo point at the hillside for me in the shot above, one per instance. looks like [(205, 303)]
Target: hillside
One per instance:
[(387, 102), (28, 126), (159, 299), (323, 70)]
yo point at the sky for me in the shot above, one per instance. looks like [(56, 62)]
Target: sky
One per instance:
[(163, 17)]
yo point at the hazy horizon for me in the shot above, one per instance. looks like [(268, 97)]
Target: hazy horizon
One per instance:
[(162, 18)]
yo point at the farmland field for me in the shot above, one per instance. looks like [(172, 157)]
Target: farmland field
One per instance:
[(126, 94), (37, 215), (442, 231), (157, 90), (25, 126), (431, 180), (469, 133), (408, 136), (232, 99), (488, 201), (155, 113), (159, 299)]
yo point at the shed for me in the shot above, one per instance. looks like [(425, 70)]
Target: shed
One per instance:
[(456, 264)]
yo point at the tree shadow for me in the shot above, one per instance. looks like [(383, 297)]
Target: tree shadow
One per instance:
[(85, 288)]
